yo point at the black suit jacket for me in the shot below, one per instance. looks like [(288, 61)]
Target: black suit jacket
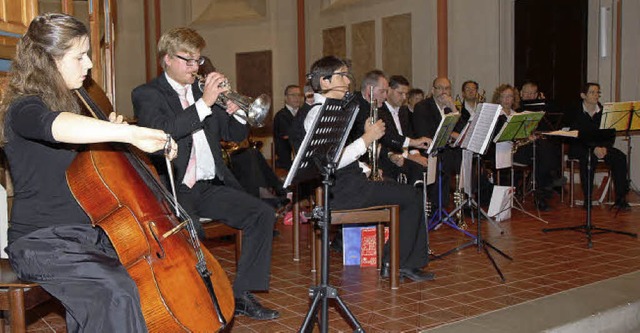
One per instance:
[(281, 125), (426, 118), (157, 105), (583, 122)]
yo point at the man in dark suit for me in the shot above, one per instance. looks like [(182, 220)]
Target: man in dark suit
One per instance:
[(282, 124), (330, 78), (588, 119), (205, 186), (426, 118), (396, 158)]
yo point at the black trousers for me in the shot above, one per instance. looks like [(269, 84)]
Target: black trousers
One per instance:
[(239, 210), (617, 161), (253, 172), (547, 160), (77, 265), (354, 190)]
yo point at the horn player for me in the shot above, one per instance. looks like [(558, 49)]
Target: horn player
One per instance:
[(206, 188)]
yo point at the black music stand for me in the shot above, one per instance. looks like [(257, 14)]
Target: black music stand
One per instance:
[(319, 155), (592, 139), (520, 126), (437, 147), (477, 141)]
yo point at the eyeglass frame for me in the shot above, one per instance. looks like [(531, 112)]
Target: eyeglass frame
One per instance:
[(191, 62)]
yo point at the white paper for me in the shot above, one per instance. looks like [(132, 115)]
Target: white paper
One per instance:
[(500, 206), (431, 170), (466, 172), (504, 156)]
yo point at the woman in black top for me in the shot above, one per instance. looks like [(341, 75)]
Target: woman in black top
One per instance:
[(51, 239)]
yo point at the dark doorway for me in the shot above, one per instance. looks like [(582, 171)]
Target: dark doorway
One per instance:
[(551, 48)]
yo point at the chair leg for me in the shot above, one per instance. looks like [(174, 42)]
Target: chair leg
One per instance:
[(16, 307), (379, 243), (317, 255), (572, 184), (296, 226), (394, 230), (238, 247)]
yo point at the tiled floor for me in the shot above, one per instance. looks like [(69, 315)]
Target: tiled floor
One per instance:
[(466, 283)]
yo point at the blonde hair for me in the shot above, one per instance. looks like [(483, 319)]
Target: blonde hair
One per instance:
[(180, 39), (34, 70), (495, 99)]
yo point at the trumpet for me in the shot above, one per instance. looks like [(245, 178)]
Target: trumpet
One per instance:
[(458, 198), (373, 149), (256, 110)]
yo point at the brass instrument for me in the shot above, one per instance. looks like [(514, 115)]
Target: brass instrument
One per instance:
[(373, 149), (458, 103), (482, 96), (256, 109), (458, 198)]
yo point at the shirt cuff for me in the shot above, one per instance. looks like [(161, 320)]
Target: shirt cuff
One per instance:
[(406, 143), (203, 110), (239, 116)]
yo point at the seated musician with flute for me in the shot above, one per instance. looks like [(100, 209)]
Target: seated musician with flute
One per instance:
[(330, 78), (51, 239)]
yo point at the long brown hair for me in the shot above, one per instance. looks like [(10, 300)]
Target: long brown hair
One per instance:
[(34, 70)]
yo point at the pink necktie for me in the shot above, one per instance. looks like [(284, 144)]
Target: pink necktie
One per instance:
[(190, 173)]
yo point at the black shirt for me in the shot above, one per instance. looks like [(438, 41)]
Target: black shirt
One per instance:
[(38, 163)]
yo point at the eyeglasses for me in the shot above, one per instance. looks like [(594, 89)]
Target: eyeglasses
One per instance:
[(295, 95), (192, 62)]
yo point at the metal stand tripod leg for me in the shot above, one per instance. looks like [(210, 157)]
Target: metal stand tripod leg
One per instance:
[(588, 228), (477, 240), (440, 216), (518, 205), (324, 291)]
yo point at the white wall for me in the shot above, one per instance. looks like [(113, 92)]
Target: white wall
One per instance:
[(423, 19)]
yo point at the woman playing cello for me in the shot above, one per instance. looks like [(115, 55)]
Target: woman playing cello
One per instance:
[(51, 239)]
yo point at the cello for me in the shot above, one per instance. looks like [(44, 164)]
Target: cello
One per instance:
[(182, 287)]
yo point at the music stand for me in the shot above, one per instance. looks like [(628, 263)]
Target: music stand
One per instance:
[(477, 141), (592, 139), (624, 117), (520, 126), (437, 146), (319, 155)]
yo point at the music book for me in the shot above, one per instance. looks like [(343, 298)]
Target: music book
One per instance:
[(621, 116), (446, 126), (519, 126), (480, 129)]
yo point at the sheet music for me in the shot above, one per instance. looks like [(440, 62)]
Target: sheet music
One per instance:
[(519, 126), (443, 133), (616, 115), (325, 140), (464, 131), (482, 127)]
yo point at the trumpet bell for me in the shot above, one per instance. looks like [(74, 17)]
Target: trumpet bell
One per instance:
[(258, 110)]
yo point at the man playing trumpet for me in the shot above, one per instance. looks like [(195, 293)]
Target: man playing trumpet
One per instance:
[(205, 186)]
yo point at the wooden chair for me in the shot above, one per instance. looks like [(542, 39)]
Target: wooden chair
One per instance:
[(381, 215), (217, 229), (17, 296)]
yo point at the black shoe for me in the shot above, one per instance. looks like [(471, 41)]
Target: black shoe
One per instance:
[(542, 205), (384, 271), (416, 274), (621, 205), (248, 305)]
